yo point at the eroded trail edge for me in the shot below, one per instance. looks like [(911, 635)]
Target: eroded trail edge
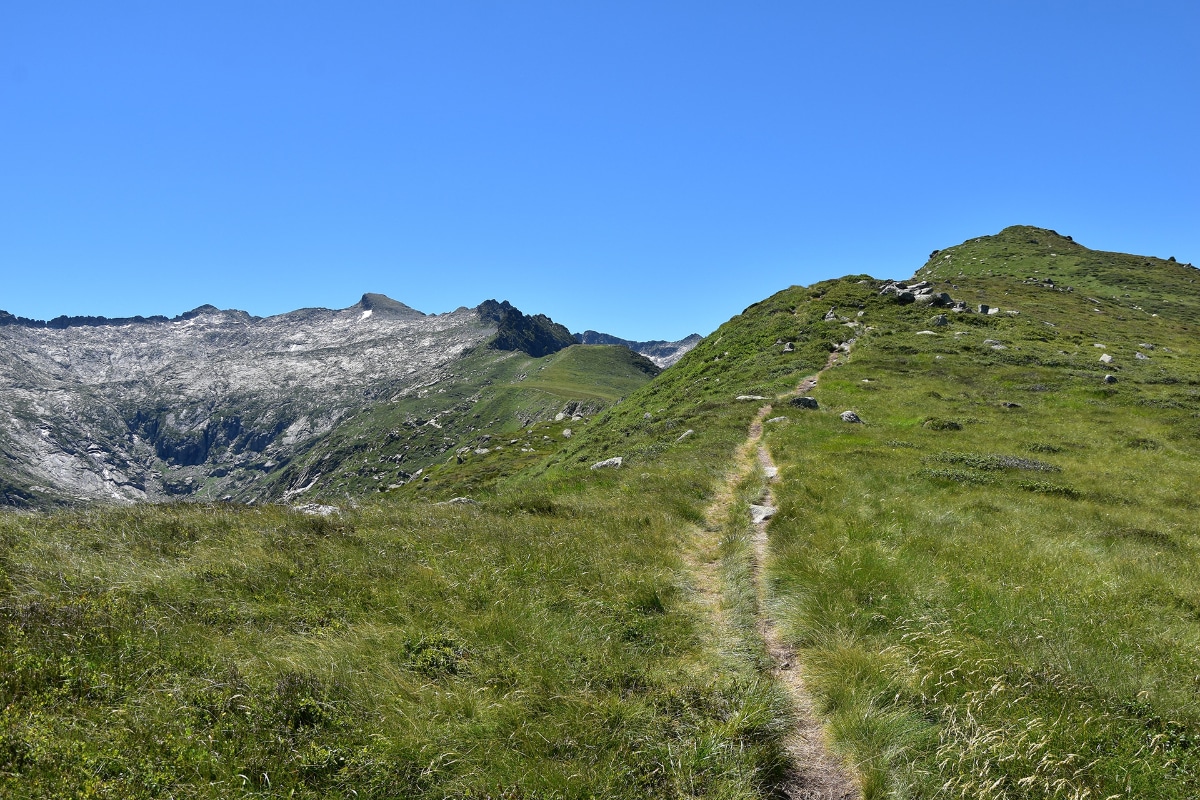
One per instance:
[(814, 772)]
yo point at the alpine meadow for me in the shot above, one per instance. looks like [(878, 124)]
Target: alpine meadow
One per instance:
[(923, 538)]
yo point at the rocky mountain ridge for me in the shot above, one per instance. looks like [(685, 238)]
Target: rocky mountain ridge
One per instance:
[(663, 353), (211, 402)]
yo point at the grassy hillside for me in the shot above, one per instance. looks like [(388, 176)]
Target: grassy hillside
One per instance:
[(490, 393), (991, 582)]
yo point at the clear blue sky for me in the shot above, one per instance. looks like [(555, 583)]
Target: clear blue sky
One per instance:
[(646, 169)]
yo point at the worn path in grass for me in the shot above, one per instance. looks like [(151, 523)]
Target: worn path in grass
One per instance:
[(814, 772)]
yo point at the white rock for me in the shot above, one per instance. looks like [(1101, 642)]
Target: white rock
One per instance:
[(317, 510), (614, 462), (759, 514)]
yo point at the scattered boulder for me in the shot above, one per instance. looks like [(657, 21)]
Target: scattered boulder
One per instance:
[(567, 433), (984, 308), (614, 462), (939, 321), (750, 397), (482, 451), (646, 415), (1146, 346), (992, 311), (789, 348), (805, 402), (1110, 378), (458, 501), (850, 416), (777, 419), (831, 314), (1106, 359), (685, 434), (317, 510), (1141, 356), (760, 514), (926, 333)]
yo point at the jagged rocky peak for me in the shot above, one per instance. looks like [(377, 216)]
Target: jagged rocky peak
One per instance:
[(537, 335), (385, 306)]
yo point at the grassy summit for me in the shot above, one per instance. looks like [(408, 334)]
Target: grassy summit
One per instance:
[(991, 582)]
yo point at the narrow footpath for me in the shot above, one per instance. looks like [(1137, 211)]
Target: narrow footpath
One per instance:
[(814, 773)]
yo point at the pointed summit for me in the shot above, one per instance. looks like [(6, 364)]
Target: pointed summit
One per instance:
[(385, 306)]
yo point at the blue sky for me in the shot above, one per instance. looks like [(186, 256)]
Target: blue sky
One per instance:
[(645, 169)]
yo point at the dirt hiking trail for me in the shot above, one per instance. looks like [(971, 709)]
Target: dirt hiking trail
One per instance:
[(814, 771)]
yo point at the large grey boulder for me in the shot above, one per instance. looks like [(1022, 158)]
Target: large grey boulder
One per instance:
[(850, 416), (614, 462), (804, 402)]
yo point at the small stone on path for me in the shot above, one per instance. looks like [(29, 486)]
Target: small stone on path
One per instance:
[(759, 514)]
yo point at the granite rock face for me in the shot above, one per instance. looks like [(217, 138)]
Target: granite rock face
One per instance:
[(206, 403)]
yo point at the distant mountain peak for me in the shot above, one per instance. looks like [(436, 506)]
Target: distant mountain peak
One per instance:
[(663, 353), (382, 304)]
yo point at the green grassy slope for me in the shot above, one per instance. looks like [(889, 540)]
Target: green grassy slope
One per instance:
[(992, 582), (488, 394)]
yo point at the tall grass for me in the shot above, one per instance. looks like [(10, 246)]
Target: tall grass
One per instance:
[(1005, 607)]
